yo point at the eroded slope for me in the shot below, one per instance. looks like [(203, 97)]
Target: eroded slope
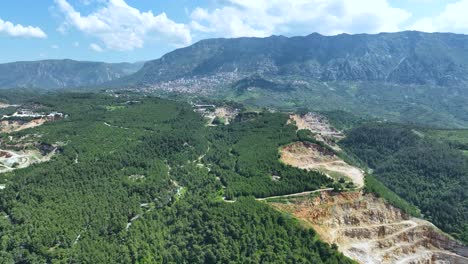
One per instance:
[(364, 227), (371, 231), (320, 127), (311, 156)]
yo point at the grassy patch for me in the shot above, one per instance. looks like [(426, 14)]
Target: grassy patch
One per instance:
[(114, 107), (456, 135)]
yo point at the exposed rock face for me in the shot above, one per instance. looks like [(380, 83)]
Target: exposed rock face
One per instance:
[(310, 156), (371, 231), (405, 57)]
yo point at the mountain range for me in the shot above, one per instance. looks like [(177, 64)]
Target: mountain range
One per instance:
[(405, 76), (55, 74), (404, 58)]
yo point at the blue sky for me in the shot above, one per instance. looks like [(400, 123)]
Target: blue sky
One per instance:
[(137, 30)]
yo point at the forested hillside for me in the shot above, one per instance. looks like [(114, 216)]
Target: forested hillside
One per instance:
[(126, 187), (408, 57), (62, 74), (423, 170), (457, 138), (411, 77), (245, 157)]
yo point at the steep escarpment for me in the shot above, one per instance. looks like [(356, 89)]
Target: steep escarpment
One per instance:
[(404, 57), (368, 230)]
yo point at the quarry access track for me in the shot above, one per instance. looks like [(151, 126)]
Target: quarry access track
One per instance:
[(285, 195)]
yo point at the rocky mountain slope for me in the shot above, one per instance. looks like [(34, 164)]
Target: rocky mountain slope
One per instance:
[(54, 74), (405, 58), (365, 228), (368, 230), (407, 76)]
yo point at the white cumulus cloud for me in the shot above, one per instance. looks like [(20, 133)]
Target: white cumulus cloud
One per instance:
[(96, 47), (452, 19), (18, 30), (266, 17), (122, 27)]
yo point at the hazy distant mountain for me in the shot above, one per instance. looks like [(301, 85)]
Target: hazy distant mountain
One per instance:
[(406, 76), (53, 74), (405, 58)]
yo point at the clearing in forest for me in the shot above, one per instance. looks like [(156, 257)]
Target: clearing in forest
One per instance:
[(11, 160), (24, 119), (217, 115), (312, 156), (9, 126), (320, 127)]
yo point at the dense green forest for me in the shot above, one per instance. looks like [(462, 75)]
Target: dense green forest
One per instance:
[(423, 170), (127, 187), (457, 138), (244, 155), (343, 120)]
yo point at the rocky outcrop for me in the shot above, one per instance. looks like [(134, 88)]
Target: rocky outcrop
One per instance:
[(404, 57), (368, 230)]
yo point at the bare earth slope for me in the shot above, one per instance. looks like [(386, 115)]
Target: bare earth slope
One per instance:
[(364, 227), (319, 126), (371, 231), (313, 157)]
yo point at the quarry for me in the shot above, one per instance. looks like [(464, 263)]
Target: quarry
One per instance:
[(370, 231), (319, 126), (363, 227), (311, 156)]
